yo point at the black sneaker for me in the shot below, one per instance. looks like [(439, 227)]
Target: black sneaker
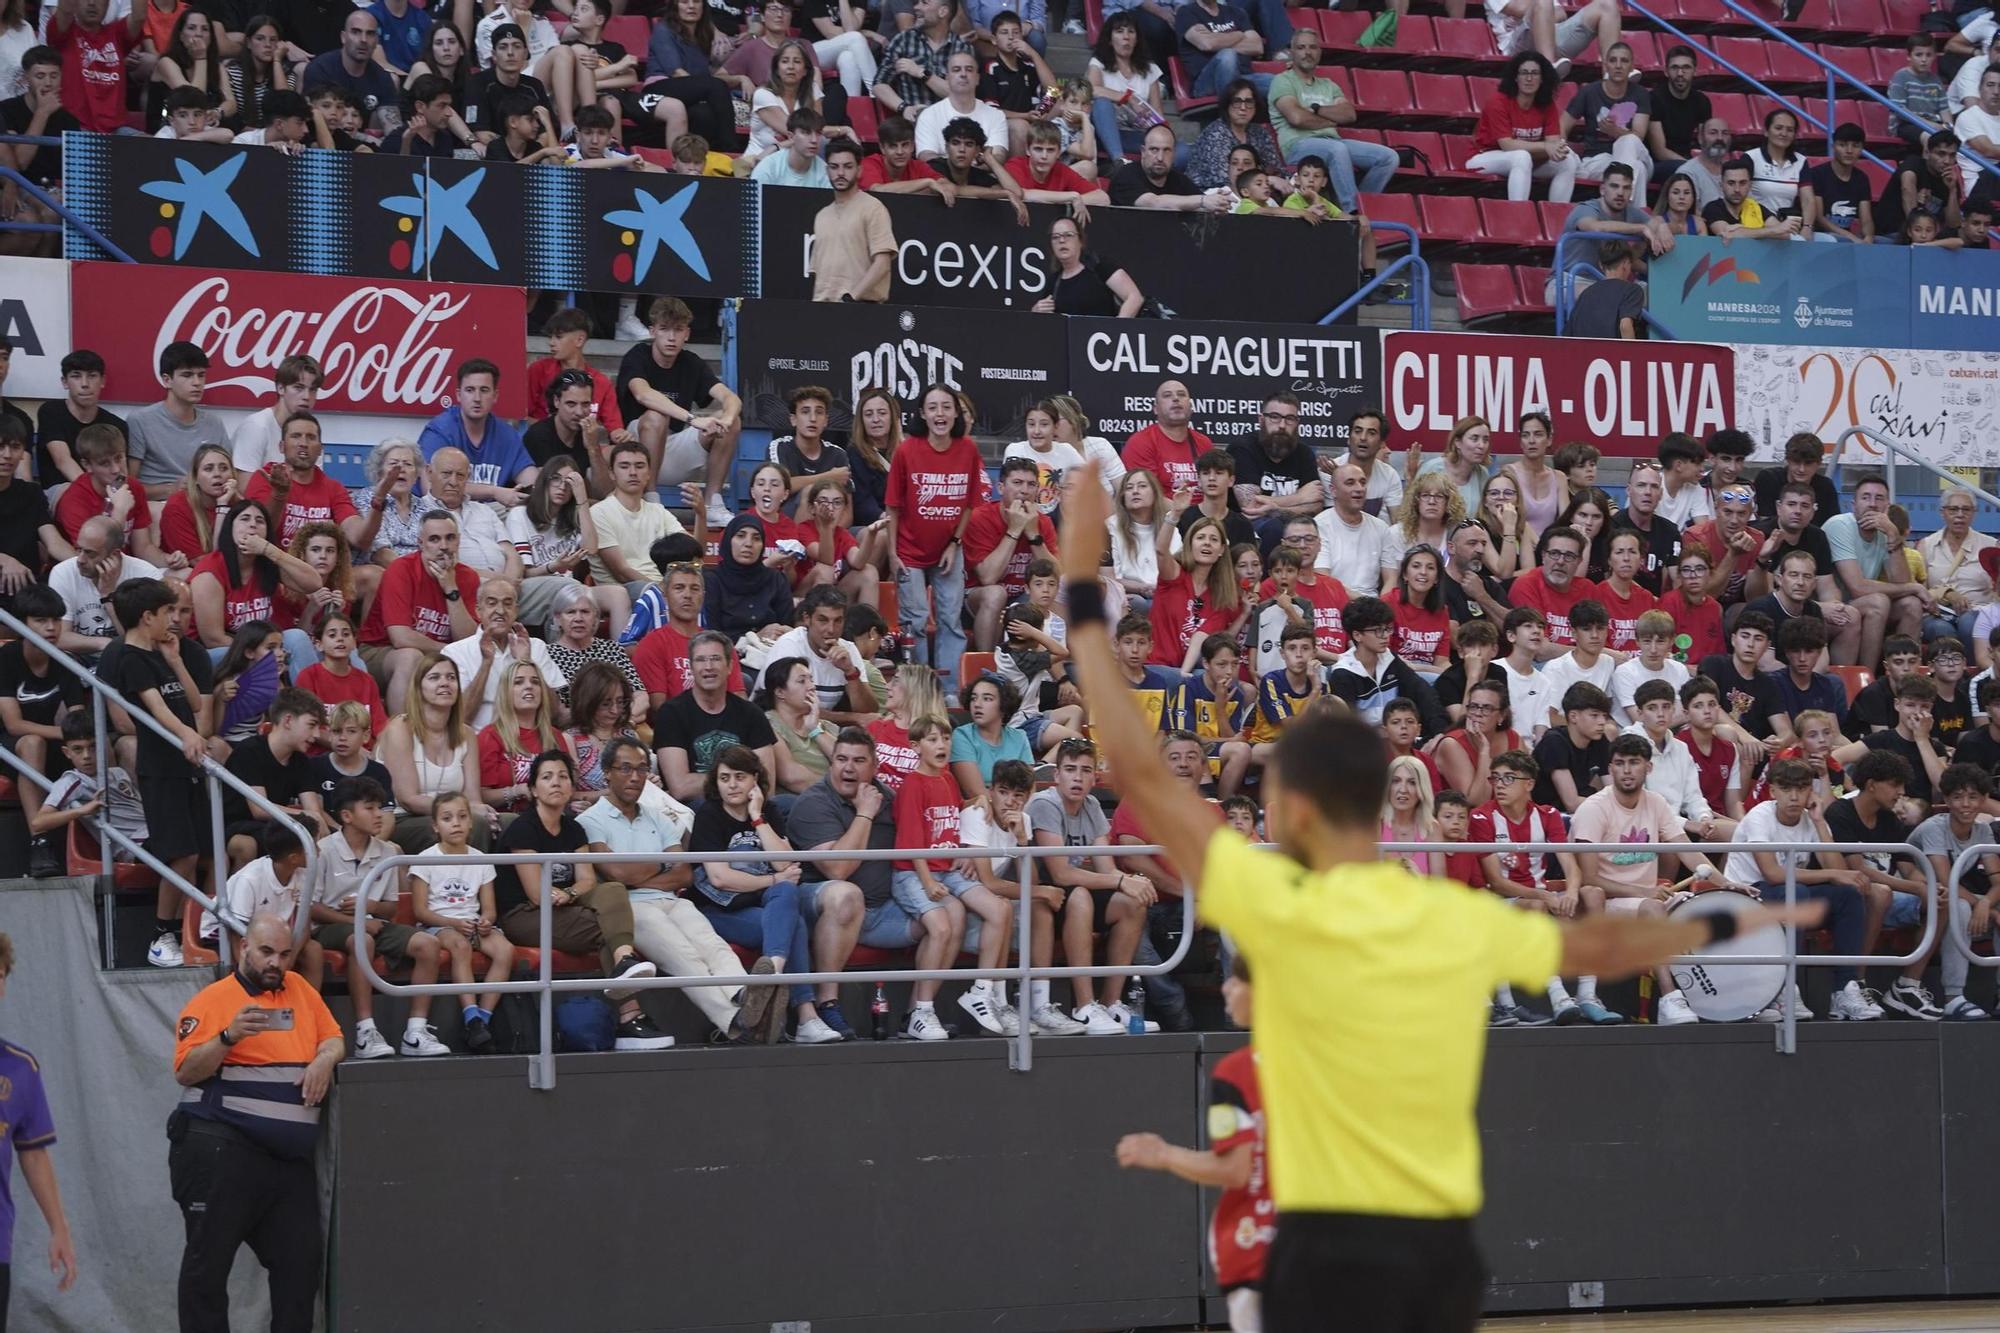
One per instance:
[(638, 1034), (1791, 9), (45, 860), (634, 966), (478, 1037), (829, 1014)]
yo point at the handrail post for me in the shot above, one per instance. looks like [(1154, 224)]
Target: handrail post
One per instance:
[(1788, 1023), (542, 1067), (219, 866), (1021, 1055), (100, 724)]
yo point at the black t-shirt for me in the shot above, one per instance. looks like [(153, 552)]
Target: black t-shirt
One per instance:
[(1450, 684), (325, 777), (1680, 118), (41, 694), (132, 671), (1826, 500), (1950, 718), (1920, 779), (24, 512), (543, 444), (1130, 181), (716, 830), (1234, 526), (1283, 476), (1088, 291), (253, 762), (978, 176), (1772, 607), (528, 834), (786, 454), (1932, 192), (1750, 699), (1603, 304), (1978, 747), (45, 169), (484, 92), (1718, 210), (681, 724), (687, 383), (1013, 89), (1463, 608), (1585, 766), (313, 25), (1812, 541), (1843, 822), (54, 421), (1874, 705), (406, 141), (1663, 548), (1839, 199), (728, 16), (1592, 101)]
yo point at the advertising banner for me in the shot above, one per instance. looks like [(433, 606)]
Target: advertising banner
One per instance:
[(1006, 361), (34, 319), (976, 253), (386, 347), (1942, 405), (1115, 366), (1955, 299), (1620, 396)]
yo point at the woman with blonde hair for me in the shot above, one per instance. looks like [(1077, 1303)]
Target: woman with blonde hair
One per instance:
[(191, 516), (914, 695), (1408, 813), (523, 726), (1466, 451), (1506, 522), (1073, 429), (1139, 511), (1431, 508), (428, 751), (1197, 593)]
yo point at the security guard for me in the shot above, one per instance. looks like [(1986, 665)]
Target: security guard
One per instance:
[(256, 1056)]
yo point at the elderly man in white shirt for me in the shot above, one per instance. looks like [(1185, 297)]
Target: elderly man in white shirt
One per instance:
[(481, 657), (1353, 544)]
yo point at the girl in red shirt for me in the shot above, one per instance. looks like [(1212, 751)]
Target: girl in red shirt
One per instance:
[(191, 515), (238, 583), (1697, 616), (335, 679), (784, 541), (913, 695), (833, 555), (1197, 594), (1519, 136), (1422, 636), (933, 484), (522, 727)]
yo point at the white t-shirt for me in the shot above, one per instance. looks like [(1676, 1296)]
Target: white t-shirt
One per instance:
[(483, 543), (1761, 825), (1630, 675), (633, 533), (1111, 468), (1965, 84), (464, 654), (1141, 562), (976, 830), (1507, 30), (830, 681), (1385, 483), (83, 604), (450, 891), (1563, 672), (1775, 185), (1974, 123), (933, 118), (253, 889), (1691, 506), (1524, 699), (258, 441), (1059, 459), (541, 34), (1354, 555), (1139, 85)]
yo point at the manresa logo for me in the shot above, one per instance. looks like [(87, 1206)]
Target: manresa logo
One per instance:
[(1803, 315)]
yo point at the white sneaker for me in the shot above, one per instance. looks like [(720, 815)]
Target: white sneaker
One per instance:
[(165, 951), (1097, 1020), (980, 1005), (1849, 1002), (1564, 1011), (630, 330), (719, 513), (925, 1025), (1049, 1021), (1673, 1011), (369, 1044), (420, 1042), (1010, 1019), (814, 1032), (1123, 1017), (1773, 1013), (1910, 997)]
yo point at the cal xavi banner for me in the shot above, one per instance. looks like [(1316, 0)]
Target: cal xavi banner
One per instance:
[(1116, 365), (1007, 361), (1944, 406), (1620, 396), (976, 253)]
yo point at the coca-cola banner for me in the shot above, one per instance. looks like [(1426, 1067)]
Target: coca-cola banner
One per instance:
[(976, 253), (1006, 361), (1620, 396), (386, 347)]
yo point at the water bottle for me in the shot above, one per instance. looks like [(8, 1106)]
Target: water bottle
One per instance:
[(1135, 1007), (879, 1008)]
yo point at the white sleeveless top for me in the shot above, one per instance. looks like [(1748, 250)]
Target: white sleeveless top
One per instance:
[(441, 779)]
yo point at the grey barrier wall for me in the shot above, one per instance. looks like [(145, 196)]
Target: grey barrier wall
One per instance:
[(892, 1188)]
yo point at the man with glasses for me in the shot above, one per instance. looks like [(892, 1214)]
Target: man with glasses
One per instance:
[(1276, 477), (1321, 591), (1954, 571), (1554, 587), (1660, 540), (1470, 593), (1367, 438), (1731, 542)]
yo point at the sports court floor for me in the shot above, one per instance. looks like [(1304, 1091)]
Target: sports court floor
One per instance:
[(1911, 1317)]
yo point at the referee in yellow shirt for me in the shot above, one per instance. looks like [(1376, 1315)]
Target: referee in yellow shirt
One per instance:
[(1372, 994)]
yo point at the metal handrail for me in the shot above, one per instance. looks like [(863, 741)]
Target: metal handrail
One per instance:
[(217, 775), (1565, 277), (1419, 299), (1961, 939), (1907, 455), (49, 202), (1586, 269), (541, 1067)]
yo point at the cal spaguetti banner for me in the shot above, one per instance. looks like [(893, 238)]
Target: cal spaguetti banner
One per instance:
[(1116, 365), (976, 253), (1006, 360)]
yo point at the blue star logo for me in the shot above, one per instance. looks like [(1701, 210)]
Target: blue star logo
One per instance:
[(448, 213), (204, 194), (659, 222)]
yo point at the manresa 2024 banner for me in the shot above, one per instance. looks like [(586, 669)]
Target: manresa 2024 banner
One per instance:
[(1006, 360), (1116, 365)]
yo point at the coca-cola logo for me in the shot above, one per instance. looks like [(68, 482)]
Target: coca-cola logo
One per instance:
[(375, 345)]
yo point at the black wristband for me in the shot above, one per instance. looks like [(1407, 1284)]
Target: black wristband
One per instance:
[(1721, 926), (1086, 602)]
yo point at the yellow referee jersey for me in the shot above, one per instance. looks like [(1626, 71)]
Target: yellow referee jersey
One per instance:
[(1373, 987)]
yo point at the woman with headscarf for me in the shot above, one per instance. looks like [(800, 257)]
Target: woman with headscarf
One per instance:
[(743, 594)]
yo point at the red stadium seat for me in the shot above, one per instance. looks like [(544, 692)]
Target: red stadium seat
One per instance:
[(193, 954), (1789, 65), (1888, 60), (1645, 49), (1380, 93), (1747, 54), (1857, 17), (1392, 208), (1415, 37), (1554, 218), (1482, 90), (970, 667), (1425, 142), (1185, 102), (659, 157), (1338, 28), (1503, 222), (861, 115), (630, 31), (1485, 291), (1735, 108), (1878, 121), (84, 860), (1442, 96), (1857, 61), (1468, 39), (1450, 219), (1854, 678), (1900, 17), (1093, 18), (1459, 150), (1531, 281)]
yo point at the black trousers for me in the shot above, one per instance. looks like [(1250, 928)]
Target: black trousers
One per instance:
[(1372, 1274), (230, 1192)]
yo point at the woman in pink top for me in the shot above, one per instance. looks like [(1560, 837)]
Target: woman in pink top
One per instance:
[(1520, 137)]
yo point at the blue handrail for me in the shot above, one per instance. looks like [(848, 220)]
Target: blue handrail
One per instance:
[(42, 197), (1419, 299)]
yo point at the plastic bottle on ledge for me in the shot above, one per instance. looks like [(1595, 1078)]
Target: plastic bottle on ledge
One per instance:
[(1135, 1007)]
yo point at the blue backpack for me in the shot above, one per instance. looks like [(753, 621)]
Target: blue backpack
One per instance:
[(585, 1023)]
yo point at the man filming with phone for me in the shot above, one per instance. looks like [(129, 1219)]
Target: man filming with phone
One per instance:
[(255, 1057)]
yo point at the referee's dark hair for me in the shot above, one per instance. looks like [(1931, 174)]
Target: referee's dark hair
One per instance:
[(1346, 794)]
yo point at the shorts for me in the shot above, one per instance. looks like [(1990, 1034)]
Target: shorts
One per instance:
[(908, 894), (439, 930), (1032, 726), (176, 806), (375, 656), (682, 458), (1100, 908), (1625, 906), (1573, 34), (886, 925), (1905, 909), (1246, 1310), (392, 944), (1379, 1272)]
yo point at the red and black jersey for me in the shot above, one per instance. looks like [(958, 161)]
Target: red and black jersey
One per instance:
[(1239, 1235)]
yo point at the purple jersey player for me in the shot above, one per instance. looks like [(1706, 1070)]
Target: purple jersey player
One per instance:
[(27, 1127)]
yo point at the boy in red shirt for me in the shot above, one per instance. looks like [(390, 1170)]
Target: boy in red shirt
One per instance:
[(896, 170), (1044, 177), (1513, 817), (1239, 1235), (105, 488), (568, 330)]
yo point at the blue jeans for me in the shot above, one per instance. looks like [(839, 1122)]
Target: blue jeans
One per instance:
[(1951, 626), (1224, 67), (1112, 139), (1846, 915), (1274, 23), (772, 925), (300, 652), (1164, 995), (928, 594), (1344, 157)]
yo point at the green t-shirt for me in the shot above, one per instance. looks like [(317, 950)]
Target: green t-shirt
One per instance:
[(1299, 203), (1309, 92)]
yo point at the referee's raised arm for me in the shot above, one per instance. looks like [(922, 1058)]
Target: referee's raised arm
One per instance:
[(1168, 809)]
